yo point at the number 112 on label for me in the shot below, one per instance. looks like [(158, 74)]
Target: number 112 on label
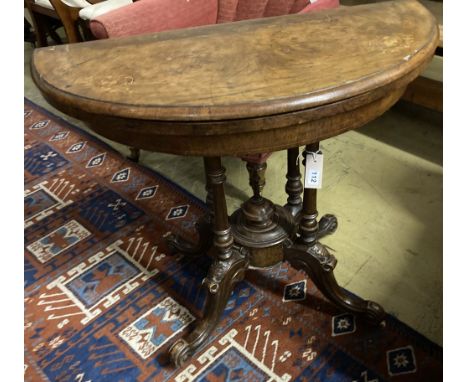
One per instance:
[(314, 170)]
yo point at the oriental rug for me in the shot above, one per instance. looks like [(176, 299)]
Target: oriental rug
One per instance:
[(104, 299)]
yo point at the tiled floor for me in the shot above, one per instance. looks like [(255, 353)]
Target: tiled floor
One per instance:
[(383, 181)]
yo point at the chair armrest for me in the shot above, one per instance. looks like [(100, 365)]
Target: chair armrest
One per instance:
[(95, 10), (149, 16), (76, 3)]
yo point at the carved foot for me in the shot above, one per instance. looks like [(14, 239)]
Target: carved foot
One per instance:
[(327, 225), (319, 264), (219, 283), (177, 244)]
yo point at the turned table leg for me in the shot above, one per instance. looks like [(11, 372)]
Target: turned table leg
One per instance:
[(309, 255), (265, 234), (227, 269), (294, 187)]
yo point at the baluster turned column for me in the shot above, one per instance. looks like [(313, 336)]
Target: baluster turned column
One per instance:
[(294, 187), (223, 238)]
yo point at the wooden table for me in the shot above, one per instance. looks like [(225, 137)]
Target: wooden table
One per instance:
[(427, 89), (248, 87)]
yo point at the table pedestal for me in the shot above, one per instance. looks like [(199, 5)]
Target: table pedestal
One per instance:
[(260, 235)]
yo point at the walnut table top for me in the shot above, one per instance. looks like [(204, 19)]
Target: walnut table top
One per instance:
[(252, 86)]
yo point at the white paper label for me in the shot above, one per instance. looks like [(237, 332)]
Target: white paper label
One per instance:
[(314, 170)]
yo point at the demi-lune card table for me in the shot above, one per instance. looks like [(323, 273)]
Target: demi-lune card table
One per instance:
[(244, 88)]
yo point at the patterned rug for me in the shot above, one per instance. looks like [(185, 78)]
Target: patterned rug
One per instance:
[(104, 299)]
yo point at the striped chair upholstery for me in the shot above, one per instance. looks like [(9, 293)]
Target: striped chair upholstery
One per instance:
[(236, 10), (149, 16)]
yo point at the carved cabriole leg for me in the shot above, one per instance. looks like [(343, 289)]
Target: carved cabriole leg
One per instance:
[(319, 264), (204, 227), (294, 184), (226, 270), (309, 255)]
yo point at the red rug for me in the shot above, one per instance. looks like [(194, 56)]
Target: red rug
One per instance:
[(104, 300)]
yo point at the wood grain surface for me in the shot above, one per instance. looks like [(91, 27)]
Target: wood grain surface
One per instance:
[(274, 65), (281, 81)]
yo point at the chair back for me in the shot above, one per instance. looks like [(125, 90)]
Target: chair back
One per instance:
[(236, 10), (69, 17)]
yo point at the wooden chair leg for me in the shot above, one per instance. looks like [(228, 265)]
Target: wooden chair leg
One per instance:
[(40, 28), (29, 35), (69, 17), (87, 34), (53, 34)]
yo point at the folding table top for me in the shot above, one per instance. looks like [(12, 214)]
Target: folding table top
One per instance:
[(241, 70)]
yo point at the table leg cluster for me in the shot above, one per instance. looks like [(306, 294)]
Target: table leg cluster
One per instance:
[(258, 235)]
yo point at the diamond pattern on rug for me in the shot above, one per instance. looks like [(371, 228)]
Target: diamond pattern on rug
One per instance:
[(104, 300), (343, 324)]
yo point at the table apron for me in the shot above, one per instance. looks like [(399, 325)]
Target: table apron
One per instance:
[(253, 142)]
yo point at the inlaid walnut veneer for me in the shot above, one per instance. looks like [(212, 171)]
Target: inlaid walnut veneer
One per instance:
[(247, 87)]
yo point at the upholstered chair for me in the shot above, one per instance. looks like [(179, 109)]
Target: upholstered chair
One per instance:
[(149, 16), (45, 21), (71, 13)]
